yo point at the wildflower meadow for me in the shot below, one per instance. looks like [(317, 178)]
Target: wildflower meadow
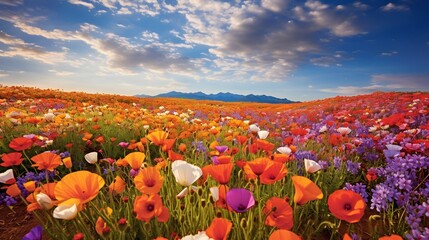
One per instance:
[(98, 166)]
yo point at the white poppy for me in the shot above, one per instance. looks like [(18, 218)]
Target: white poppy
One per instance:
[(344, 130), (44, 201), (215, 193), (311, 166), (91, 157), (65, 212), (254, 128), (7, 175), (324, 128), (199, 236), (263, 134), (284, 150), (185, 173)]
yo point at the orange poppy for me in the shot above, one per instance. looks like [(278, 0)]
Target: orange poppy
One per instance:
[(256, 167), (46, 160), (283, 234), (80, 186), (221, 201), (20, 143), (281, 157), (68, 162), (135, 159), (168, 144), (241, 139), (274, 172), (219, 229), (393, 237), (149, 180), (182, 147), (47, 189), (101, 224), (148, 206), (157, 137), (173, 156), (13, 190), (221, 172), (11, 159), (224, 159), (347, 237), (117, 186), (305, 190), (279, 213), (346, 205)]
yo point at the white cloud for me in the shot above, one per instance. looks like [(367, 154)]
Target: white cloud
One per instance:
[(10, 40), (385, 82), (13, 3), (61, 73), (389, 54), (274, 5), (4, 74), (33, 52), (360, 6), (83, 3), (392, 7), (124, 11)]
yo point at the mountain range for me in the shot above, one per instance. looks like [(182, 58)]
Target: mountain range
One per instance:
[(225, 97)]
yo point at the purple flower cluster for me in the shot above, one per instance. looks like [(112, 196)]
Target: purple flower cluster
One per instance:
[(358, 188), (352, 167)]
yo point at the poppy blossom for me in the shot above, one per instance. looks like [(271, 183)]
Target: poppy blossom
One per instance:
[(46, 160), (263, 134), (117, 186), (392, 237), (100, 224), (11, 159), (221, 173), (65, 212), (158, 137), (219, 229), (256, 167), (305, 190), (149, 180), (284, 150), (311, 166), (346, 205), (20, 144), (135, 160), (13, 190), (279, 213), (81, 185), (68, 162), (185, 173), (43, 201), (240, 199), (274, 172), (7, 177), (219, 195), (91, 157), (148, 206), (283, 234)]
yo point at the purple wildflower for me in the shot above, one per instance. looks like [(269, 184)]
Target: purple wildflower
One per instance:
[(353, 167), (358, 188), (240, 199), (34, 234)]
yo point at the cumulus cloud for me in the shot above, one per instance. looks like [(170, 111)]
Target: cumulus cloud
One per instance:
[(393, 7), (385, 82), (262, 42), (82, 3)]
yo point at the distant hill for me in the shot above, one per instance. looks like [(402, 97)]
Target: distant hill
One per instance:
[(226, 97)]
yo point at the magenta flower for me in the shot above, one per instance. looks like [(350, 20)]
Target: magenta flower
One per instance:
[(240, 199), (221, 149)]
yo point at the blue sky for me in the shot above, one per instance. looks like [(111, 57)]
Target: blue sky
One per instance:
[(300, 50)]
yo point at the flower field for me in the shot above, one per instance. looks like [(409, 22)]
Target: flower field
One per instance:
[(97, 166)]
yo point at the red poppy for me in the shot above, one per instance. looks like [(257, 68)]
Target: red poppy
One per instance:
[(274, 172), (256, 167), (221, 172), (283, 234), (11, 159), (148, 206), (346, 205), (219, 229), (20, 144), (279, 213)]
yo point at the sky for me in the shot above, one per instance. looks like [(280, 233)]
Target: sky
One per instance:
[(300, 50)]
